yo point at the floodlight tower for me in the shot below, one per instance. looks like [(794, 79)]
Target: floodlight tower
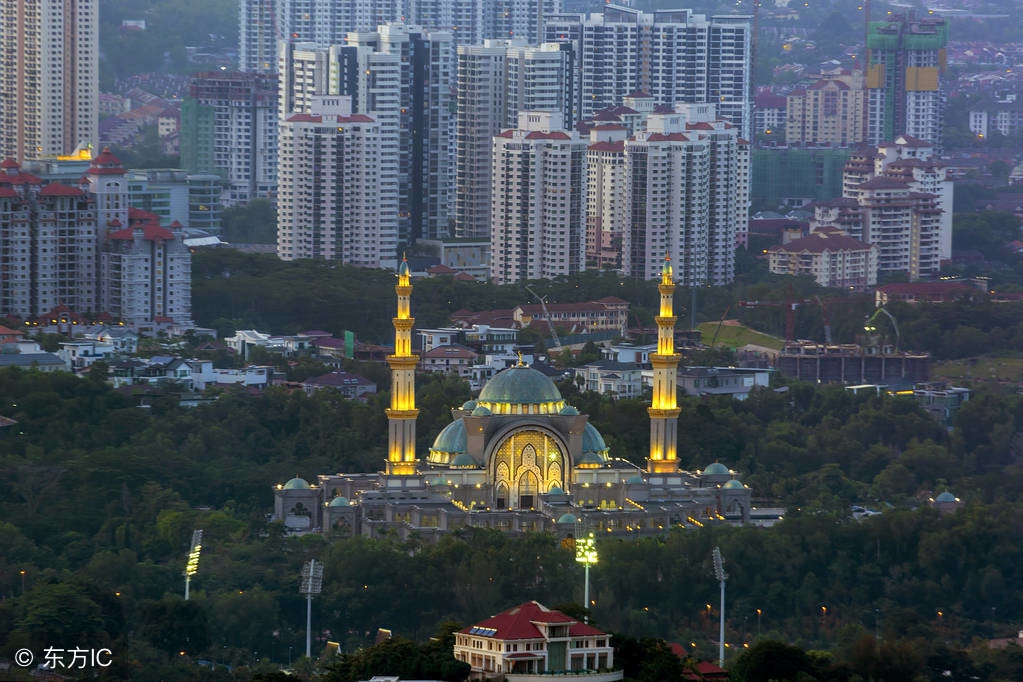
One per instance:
[(312, 583), (719, 573), (586, 554), (192, 567)]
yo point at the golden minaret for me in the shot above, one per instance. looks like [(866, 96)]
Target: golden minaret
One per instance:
[(401, 415), (663, 408)]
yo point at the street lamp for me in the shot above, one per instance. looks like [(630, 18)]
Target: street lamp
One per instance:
[(586, 554), (192, 566), (719, 573), (312, 583), (759, 613)]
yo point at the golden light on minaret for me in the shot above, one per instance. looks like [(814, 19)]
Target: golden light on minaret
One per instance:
[(401, 415), (663, 408)]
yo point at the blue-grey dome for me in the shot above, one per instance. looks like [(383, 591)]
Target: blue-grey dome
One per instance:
[(339, 501), (568, 518), (297, 484), (481, 411), (464, 460), (469, 405), (555, 490), (716, 469), (451, 439), (945, 497), (569, 410), (593, 441), (634, 479), (733, 485), (520, 385)]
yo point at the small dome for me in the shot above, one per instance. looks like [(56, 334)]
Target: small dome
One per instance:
[(555, 490), (520, 385), (469, 405), (945, 497), (716, 469), (733, 485), (403, 269), (593, 441), (590, 460), (451, 439), (634, 479), (569, 410), (481, 411), (339, 501), (567, 519), (438, 481), (297, 484), (464, 460)]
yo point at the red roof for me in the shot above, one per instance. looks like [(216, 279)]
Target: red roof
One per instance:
[(8, 193), (821, 241), (617, 146), (666, 137), (56, 189), (440, 269), (520, 623), (465, 277), (701, 125), (553, 135), (317, 118), (106, 164), (9, 163), (882, 182)]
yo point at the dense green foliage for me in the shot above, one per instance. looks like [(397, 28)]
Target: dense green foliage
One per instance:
[(99, 497)]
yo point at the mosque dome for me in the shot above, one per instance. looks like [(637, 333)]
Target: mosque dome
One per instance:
[(451, 439), (593, 441), (469, 405), (716, 469), (464, 460), (556, 490), (733, 485), (635, 479), (945, 497), (339, 501), (568, 410), (297, 484), (480, 411), (567, 519), (520, 385)]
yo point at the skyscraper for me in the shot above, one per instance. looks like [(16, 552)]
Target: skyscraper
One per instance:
[(538, 199), (49, 77), (496, 81), (906, 57), (673, 55)]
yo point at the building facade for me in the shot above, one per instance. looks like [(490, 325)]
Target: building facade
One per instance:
[(830, 257), (827, 113), (229, 127), (906, 58), (330, 203), (673, 55), (538, 200)]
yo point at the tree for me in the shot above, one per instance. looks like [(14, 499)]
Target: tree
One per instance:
[(771, 661)]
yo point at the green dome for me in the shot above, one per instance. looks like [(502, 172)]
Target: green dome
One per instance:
[(733, 485), (568, 518), (569, 410), (634, 479), (469, 405), (297, 484), (464, 459), (945, 497), (592, 440), (339, 501), (451, 438), (590, 459), (716, 469), (555, 490), (481, 411), (520, 386)]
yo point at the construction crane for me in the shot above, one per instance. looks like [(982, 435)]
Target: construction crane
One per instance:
[(547, 315), (870, 328), (827, 323)]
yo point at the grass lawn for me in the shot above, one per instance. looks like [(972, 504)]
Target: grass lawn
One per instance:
[(987, 371), (735, 335)]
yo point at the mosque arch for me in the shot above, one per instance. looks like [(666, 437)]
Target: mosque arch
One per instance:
[(527, 460)]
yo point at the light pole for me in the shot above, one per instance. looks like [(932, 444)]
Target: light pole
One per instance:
[(759, 613), (586, 554), (719, 573), (22, 571), (312, 583), (192, 567)]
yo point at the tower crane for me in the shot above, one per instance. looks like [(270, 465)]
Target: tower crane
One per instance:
[(547, 315), (869, 327)]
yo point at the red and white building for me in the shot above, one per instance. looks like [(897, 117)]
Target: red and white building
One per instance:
[(532, 643)]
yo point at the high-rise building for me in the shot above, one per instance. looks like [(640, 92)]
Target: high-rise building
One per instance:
[(827, 113), (331, 182), (675, 56), (49, 77), (678, 187), (426, 60), (229, 127), (905, 57), (522, 19), (538, 199), (496, 81)]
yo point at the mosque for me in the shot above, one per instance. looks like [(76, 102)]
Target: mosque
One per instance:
[(517, 458)]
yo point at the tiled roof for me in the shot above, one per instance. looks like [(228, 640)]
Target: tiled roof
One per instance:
[(553, 135), (882, 182), (617, 146), (520, 623), (56, 189), (666, 137), (821, 241)]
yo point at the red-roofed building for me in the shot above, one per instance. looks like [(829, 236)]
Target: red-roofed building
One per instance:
[(927, 292), (531, 639), (827, 113), (832, 258), (606, 314)]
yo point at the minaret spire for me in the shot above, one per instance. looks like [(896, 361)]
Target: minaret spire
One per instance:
[(401, 415), (663, 408)]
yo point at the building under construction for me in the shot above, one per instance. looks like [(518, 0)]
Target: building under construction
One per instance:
[(852, 363)]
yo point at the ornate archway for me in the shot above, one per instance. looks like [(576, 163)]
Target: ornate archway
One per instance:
[(526, 463)]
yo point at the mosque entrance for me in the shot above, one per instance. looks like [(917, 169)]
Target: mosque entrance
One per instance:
[(526, 464)]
